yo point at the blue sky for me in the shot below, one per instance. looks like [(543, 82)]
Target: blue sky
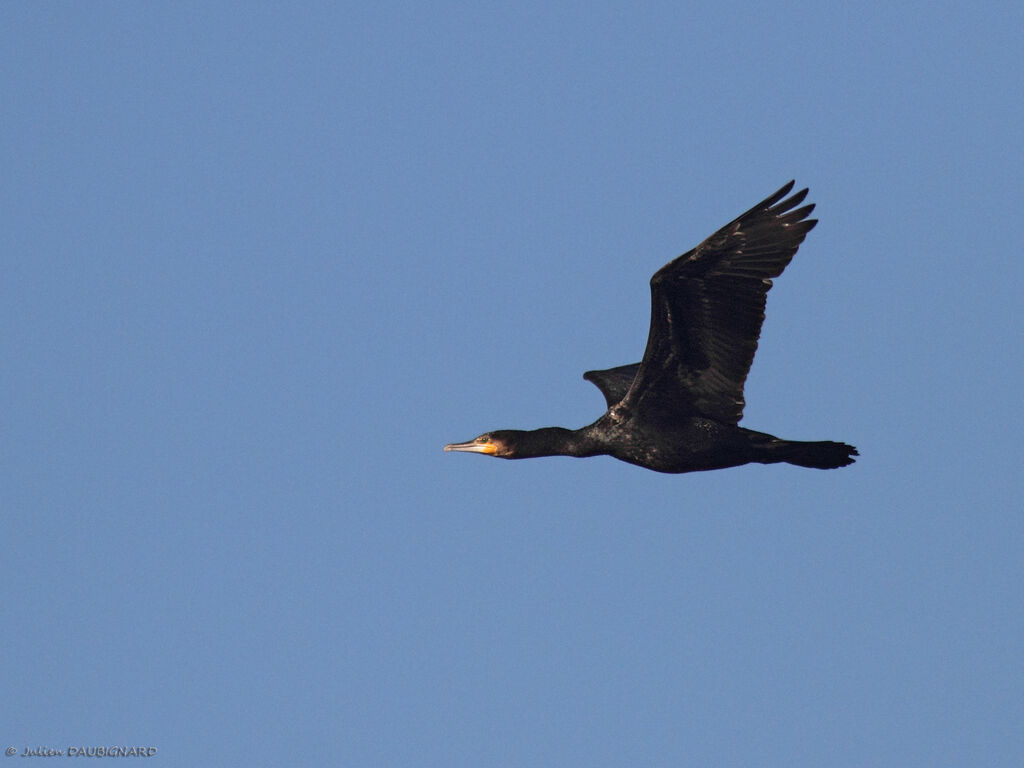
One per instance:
[(262, 261)]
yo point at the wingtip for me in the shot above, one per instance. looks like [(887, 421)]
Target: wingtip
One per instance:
[(779, 195)]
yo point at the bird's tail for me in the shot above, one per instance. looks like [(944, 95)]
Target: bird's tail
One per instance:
[(823, 454)]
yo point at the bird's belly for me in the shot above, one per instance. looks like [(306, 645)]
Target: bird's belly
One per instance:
[(694, 445)]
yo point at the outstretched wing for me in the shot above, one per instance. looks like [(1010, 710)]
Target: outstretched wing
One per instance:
[(707, 307), (613, 382)]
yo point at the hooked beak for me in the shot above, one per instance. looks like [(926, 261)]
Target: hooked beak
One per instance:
[(473, 447)]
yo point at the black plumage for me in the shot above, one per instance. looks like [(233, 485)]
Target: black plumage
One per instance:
[(678, 409)]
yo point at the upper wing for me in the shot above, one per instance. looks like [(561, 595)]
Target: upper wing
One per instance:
[(707, 307), (613, 382)]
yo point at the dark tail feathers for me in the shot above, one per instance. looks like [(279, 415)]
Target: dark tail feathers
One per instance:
[(824, 454)]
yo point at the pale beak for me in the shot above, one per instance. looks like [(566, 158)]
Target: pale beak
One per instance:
[(473, 447)]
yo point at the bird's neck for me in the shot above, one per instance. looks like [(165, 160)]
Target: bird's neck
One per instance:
[(553, 441)]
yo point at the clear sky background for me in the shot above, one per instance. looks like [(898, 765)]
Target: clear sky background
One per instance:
[(261, 261)]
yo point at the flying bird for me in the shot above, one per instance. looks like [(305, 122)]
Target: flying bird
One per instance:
[(678, 409)]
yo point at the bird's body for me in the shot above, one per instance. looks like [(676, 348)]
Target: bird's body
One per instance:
[(678, 409)]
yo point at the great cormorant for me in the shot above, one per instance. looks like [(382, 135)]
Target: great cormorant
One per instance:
[(678, 409)]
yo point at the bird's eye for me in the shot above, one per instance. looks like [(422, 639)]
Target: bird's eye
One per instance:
[(483, 439)]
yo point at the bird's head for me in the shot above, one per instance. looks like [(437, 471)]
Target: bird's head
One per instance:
[(499, 443)]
